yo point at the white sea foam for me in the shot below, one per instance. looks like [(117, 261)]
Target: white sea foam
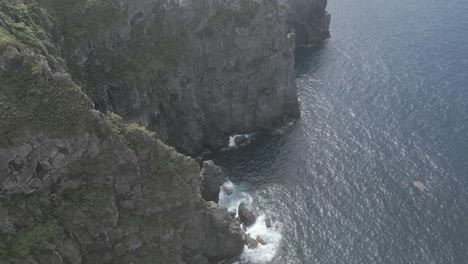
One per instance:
[(232, 142), (264, 253), (232, 201)]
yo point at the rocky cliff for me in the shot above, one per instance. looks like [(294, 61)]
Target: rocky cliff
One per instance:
[(193, 71), (310, 21), (80, 184)]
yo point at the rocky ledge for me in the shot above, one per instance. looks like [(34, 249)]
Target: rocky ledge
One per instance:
[(91, 91)]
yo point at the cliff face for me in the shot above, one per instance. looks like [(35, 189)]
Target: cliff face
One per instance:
[(193, 71), (81, 185), (85, 188), (310, 21)]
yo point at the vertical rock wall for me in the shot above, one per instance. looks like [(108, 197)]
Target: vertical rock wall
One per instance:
[(193, 71)]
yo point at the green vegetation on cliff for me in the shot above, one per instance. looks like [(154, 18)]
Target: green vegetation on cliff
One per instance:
[(167, 161), (6, 38), (31, 98), (24, 25), (34, 238), (36, 228), (28, 102)]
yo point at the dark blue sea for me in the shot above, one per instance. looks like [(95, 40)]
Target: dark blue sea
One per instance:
[(384, 110)]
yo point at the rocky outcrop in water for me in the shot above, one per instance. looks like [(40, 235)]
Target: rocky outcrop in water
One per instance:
[(79, 184), (245, 215), (250, 242)]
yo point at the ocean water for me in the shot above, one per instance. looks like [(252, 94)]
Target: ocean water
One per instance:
[(384, 104)]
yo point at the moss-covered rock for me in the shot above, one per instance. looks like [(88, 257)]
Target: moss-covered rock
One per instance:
[(25, 23), (28, 101), (35, 238)]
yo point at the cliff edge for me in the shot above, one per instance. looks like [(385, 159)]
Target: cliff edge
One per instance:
[(81, 184)]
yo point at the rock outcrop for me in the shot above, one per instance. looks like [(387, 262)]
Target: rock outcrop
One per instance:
[(241, 141), (212, 178), (250, 242), (245, 215), (80, 184)]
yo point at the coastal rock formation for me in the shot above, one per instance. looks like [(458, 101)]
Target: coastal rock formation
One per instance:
[(241, 141), (195, 72), (80, 184), (245, 215), (212, 178), (250, 242), (309, 21)]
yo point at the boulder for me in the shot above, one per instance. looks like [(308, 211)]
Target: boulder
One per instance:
[(261, 241), (241, 141), (250, 242), (245, 215)]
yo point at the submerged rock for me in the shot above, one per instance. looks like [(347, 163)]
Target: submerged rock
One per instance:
[(419, 185), (244, 227), (245, 215), (268, 223)]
